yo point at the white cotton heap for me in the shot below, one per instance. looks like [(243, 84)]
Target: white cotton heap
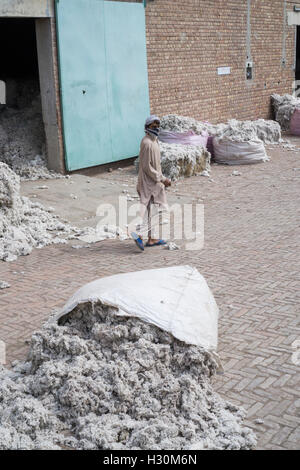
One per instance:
[(22, 136), (242, 142), (102, 232), (24, 224), (4, 285), (284, 107), (266, 130), (237, 142), (172, 122), (245, 131), (172, 246), (183, 160), (9, 188), (101, 381)]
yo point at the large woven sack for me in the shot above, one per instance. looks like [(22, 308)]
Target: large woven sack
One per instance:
[(295, 122), (229, 152)]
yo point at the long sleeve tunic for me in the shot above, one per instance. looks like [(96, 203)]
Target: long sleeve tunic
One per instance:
[(150, 178)]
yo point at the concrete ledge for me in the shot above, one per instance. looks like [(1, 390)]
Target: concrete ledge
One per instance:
[(27, 9)]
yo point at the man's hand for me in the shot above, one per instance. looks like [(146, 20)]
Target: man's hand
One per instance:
[(167, 183)]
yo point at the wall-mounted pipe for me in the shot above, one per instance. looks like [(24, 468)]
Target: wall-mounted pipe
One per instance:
[(248, 40), (283, 59)]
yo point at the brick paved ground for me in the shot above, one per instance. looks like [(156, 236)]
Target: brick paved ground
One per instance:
[(251, 262)]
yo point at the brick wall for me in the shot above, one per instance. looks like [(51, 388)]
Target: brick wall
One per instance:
[(187, 40)]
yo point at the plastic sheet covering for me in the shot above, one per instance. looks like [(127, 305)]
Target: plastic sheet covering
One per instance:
[(295, 122), (231, 152), (184, 138), (176, 299)]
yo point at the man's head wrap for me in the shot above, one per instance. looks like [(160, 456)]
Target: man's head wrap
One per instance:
[(151, 119)]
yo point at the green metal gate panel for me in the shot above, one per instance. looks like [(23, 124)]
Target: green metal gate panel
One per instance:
[(82, 62), (128, 95), (103, 79)]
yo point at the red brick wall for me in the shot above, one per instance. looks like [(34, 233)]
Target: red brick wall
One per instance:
[(188, 40)]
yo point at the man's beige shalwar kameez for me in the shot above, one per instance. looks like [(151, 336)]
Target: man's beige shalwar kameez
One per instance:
[(150, 185), (150, 179)]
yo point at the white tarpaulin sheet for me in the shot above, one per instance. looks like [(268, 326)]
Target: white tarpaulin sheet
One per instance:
[(176, 299)]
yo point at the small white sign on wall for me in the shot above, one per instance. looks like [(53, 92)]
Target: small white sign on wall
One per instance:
[(293, 18), (224, 71)]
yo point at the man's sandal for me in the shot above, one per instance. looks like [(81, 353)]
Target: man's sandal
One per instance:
[(160, 242), (138, 241)]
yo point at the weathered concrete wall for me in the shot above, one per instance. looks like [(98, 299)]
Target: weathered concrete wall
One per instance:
[(27, 8), (57, 91), (2, 92)]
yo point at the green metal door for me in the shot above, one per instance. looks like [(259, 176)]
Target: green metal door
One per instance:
[(103, 79), (128, 95)]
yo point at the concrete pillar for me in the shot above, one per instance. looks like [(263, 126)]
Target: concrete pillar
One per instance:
[(48, 95), (2, 92)]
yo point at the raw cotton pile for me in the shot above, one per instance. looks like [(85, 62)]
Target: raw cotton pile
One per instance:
[(102, 232), (4, 285), (183, 160), (101, 381), (172, 122), (22, 136), (284, 107), (24, 224), (245, 131), (242, 142), (239, 131), (237, 142)]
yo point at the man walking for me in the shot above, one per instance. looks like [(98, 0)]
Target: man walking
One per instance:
[(151, 182)]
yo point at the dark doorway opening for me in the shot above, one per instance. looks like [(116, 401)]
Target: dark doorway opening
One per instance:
[(22, 132), (297, 71), (19, 61)]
